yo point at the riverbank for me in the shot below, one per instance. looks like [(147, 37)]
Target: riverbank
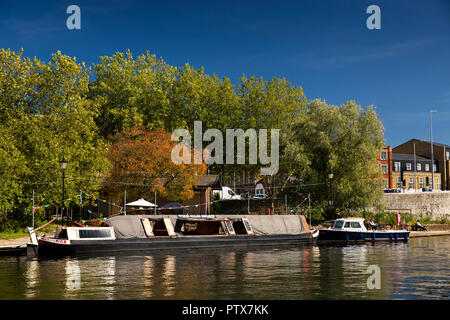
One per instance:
[(21, 241), (416, 234)]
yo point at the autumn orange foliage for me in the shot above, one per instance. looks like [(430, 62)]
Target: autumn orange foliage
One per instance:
[(141, 164)]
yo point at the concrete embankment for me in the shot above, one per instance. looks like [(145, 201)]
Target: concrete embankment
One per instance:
[(432, 205), (12, 247), (416, 234), (433, 230)]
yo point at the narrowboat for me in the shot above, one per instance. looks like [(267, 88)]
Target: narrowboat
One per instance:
[(149, 232), (353, 229)]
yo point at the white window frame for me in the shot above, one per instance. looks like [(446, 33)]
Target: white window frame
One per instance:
[(427, 167), (408, 166), (397, 166), (383, 155), (419, 167), (421, 182), (384, 169), (411, 182)]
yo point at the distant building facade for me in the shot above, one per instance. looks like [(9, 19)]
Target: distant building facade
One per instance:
[(241, 182), (409, 172), (441, 155)]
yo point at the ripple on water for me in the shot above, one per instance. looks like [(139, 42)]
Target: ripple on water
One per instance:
[(418, 269)]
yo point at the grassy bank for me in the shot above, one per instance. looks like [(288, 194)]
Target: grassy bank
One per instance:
[(23, 232)]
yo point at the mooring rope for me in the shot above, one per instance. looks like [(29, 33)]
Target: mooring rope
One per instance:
[(45, 224)]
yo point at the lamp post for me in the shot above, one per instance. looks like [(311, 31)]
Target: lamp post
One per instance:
[(330, 177), (63, 169), (432, 155)]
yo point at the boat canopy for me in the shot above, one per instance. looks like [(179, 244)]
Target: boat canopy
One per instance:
[(141, 203), (131, 226)]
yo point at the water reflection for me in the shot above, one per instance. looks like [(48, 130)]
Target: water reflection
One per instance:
[(32, 279), (418, 269), (168, 276), (73, 276), (149, 265)]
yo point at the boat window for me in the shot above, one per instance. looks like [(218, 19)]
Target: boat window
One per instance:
[(347, 224), (229, 225), (338, 224), (247, 225), (86, 233), (355, 225), (199, 227)]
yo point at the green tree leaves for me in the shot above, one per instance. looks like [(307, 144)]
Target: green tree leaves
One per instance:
[(46, 114), (63, 108), (343, 141)]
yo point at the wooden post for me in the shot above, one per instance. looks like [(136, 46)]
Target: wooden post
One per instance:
[(309, 208), (33, 210), (125, 203), (285, 204)]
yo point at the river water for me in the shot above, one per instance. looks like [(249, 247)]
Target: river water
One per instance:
[(419, 269)]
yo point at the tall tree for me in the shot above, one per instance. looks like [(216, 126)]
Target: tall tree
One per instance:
[(342, 141), (45, 108), (133, 91), (273, 104), (142, 164)]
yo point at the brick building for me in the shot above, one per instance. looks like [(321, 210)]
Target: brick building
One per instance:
[(441, 154), (384, 159)]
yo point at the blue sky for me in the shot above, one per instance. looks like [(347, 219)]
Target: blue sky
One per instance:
[(323, 46)]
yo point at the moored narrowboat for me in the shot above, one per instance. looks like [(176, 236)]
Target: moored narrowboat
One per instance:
[(148, 232)]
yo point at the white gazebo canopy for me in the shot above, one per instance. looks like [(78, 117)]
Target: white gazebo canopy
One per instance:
[(141, 203)]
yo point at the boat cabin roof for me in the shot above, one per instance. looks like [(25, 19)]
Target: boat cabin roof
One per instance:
[(349, 219), (88, 233), (353, 223)]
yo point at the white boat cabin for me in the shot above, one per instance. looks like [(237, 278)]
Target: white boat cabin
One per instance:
[(349, 224), (89, 233)]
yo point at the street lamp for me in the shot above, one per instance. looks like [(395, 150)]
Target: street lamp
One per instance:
[(432, 155), (63, 169), (330, 176)]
